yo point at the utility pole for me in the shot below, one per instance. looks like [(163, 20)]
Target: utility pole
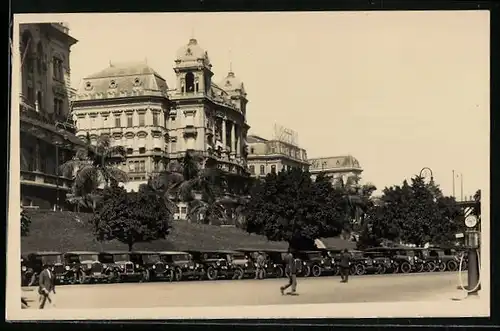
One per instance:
[(453, 174), (461, 187)]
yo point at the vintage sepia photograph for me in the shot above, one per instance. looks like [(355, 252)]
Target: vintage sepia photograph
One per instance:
[(249, 165)]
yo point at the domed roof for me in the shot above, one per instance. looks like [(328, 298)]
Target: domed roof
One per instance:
[(192, 52), (232, 83), (122, 80)]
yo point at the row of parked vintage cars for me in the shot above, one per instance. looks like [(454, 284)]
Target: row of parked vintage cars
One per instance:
[(80, 267)]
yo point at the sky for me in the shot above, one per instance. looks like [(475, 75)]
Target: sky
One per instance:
[(397, 90)]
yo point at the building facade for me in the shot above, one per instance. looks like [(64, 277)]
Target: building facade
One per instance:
[(46, 131), (267, 156), (337, 167), (133, 105)]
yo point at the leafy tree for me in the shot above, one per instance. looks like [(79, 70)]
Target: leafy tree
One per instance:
[(131, 217), (289, 206), (25, 223), (94, 165), (477, 199), (416, 213)]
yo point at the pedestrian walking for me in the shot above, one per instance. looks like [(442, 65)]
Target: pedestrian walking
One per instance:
[(46, 284), (344, 266), (259, 271), (291, 271)]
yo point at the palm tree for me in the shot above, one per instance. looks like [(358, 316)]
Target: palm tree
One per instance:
[(193, 180), (93, 166)]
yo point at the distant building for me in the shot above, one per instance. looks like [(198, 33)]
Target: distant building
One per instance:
[(266, 156), (47, 133), (132, 103), (335, 166)]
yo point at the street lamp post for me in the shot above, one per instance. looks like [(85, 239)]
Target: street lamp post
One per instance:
[(427, 169)]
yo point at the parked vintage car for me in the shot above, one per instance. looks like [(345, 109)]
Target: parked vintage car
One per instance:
[(360, 263), (246, 261), (151, 265), (313, 262), (424, 261), (84, 267), (215, 263), (384, 264), (119, 266), (36, 260), (329, 265), (276, 265), (183, 265), (448, 260), (403, 258)]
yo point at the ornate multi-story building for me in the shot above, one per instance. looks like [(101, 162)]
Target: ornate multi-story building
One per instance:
[(267, 156), (46, 132), (337, 167), (134, 106)]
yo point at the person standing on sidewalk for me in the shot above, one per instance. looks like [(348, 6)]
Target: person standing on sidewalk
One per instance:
[(291, 270), (261, 261), (46, 284), (344, 266)]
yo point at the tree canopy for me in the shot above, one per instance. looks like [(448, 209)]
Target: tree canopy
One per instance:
[(131, 217), (289, 206), (415, 213)]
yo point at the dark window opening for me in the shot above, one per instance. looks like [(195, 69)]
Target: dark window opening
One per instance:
[(118, 122), (130, 151), (130, 122), (262, 170), (273, 169), (189, 82), (252, 170), (142, 150), (142, 119), (155, 120)]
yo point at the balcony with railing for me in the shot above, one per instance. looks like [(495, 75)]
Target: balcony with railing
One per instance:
[(44, 179)]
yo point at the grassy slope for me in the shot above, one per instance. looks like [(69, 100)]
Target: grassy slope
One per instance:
[(66, 231)]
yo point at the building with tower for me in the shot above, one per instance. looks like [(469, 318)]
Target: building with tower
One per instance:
[(133, 104), (46, 130)]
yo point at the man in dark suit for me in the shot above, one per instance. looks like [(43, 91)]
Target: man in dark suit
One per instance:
[(344, 266), (291, 268), (46, 284)]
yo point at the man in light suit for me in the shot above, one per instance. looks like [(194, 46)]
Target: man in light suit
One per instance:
[(46, 284)]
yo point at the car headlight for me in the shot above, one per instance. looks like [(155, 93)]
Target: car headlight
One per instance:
[(154, 267), (246, 265), (197, 265), (122, 266), (185, 266), (255, 265), (89, 265), (322, 262), (304, 263), (274, 265), (265, 265), (23, 268), (67, 267), (137, 266), (218, 263)]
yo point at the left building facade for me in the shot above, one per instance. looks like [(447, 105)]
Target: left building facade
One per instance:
[(47, 133)]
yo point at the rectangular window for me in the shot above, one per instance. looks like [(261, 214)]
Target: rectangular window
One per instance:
[(130, 122), (183, 210), (273, 169), (58, 106), (142, 119), (252, 169), (142, 166), (142, 150), (118, 121), (262, 170), (155, 119), (57, 69)]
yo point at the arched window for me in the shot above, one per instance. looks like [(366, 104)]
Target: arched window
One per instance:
[(189, 82), (262, 170)]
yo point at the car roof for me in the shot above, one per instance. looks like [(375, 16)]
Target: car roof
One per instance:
[(274, 250), (246, 250), (213, 251), (143, 252), (81, 252), (44, 253), (115, 252), (309, 252), (172, 252)]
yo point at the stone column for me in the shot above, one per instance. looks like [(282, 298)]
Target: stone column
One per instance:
[(238, 143), (233, 138), (224, 143)]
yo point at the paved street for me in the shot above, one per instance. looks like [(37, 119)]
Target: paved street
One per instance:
[(369, 288)]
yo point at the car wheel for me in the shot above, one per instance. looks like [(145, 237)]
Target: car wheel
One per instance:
[(405, 267), (395, 268), (360, 270), (464, 265), (306, 271), (442, 267), (420, 267), (211, 273), (146, 276), (452, 265), (352, 269), (316, 270), (381, 270), (178, 275), (430, 266), (279, 272), (81, 278)]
